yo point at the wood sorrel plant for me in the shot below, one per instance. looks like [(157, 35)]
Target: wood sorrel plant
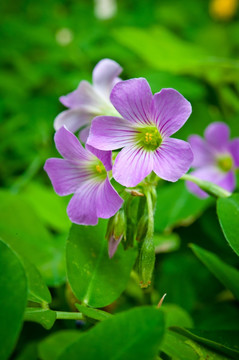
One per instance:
[(140, 132), (114, 165)]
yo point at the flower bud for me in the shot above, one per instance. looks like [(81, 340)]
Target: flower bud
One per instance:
[(146, 262), (116, 231), (142, 228)]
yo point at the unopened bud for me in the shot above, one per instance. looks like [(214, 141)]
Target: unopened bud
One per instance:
[(116, 231), (142, 228), (146, 262)]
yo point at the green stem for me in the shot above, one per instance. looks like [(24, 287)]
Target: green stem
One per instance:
[(147, 252), (150, 230), (210, 188), (69, 315)]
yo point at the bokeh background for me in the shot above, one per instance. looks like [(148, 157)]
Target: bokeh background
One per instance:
[(46, 48)]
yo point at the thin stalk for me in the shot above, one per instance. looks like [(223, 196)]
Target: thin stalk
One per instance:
[(150, 230), (69, 315), (147, 252), (208, 187)]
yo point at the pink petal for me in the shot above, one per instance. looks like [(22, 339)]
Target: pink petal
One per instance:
[(69, 146), (82, 206), (84, 133), (92, 200), (64, 175), (104, 156), (234, 150), (201, 151), (104, 75), (108, 202), (170, 110), (110, 133), (84, 95), (214, 175), (132, 165), (73, 119), (228, 181), (172, 159), (113, 245), (217, 135), (132, 99)]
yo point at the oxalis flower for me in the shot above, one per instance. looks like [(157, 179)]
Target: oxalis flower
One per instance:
[(215, 158), (89, 101), (83, 172), (144, 133)]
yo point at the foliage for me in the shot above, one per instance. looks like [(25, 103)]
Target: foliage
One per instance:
[(55, 276)]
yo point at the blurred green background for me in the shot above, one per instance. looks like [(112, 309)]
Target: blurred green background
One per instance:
[(47, 47)]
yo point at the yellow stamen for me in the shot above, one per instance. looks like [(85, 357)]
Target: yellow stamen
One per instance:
[(149, 137), (98, 169)]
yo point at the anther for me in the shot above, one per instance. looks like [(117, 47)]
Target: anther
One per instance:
[(98, 169)]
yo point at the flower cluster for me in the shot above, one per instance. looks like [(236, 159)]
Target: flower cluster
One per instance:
[(215, 158), (123, 116)]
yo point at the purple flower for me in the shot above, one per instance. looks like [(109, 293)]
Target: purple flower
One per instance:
[(215, 158), (144, 133), (83, 172), (89, 101)]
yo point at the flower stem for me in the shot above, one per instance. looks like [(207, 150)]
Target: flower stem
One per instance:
[(208, 187), (69, 315), (147, 252), (150, 230)]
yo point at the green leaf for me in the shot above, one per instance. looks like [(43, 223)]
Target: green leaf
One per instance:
[(93, 313), (55, 344), (13, 299), (37, 289), (149, 44), (181, 348), (229, 224), (222, 341), (176, 347), (45, 317), (226, 274), (21, 228), (182, 207), (96, 279), (29, 352), (176, 316), (50, 207), (131, 335)]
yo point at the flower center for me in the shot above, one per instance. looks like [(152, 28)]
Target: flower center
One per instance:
[(225, 163), (98, 170), (149, 137)]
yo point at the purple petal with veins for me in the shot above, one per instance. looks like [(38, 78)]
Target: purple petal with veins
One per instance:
[(142, 135), (89, 100), (83, 172)]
